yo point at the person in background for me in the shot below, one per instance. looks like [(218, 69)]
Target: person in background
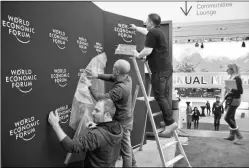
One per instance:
[(157, 54), (208, 108), (196, 116), (101, 142), (233, 100), (189, 115), (217, 110), (121, 95)]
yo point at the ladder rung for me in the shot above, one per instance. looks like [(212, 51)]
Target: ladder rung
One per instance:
[(149, 98), (168, 144), (152, 134), (156, 114), (176, 159)]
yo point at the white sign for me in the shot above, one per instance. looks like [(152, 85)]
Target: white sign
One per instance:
[(60, 76), (202, 11), (205, 78), (20, 28), (25, 128), (59, 38), (22, 79)]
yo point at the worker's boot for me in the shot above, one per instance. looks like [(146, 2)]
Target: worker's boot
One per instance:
[(231, 136), (238, 136), (168, 131)]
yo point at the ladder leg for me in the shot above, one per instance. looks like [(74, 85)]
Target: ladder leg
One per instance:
[(150, 112), (134, 99), (144, 130), (181, 148)]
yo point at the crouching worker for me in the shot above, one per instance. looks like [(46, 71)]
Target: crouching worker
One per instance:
[(102, 142)]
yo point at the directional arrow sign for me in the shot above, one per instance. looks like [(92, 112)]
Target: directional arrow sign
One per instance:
[(186, 9)]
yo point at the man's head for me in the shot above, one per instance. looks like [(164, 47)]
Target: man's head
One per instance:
[(121, 67), (217, 98), (104, 111), (153, 20)]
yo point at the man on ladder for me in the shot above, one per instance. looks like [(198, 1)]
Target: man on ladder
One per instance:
[(161, 67)]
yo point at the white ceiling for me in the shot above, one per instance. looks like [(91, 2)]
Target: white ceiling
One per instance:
[(200, 30)]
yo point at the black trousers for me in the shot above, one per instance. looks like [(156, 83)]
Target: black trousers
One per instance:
[(160, 86), (217, 122), (196, 123), (208, 111)]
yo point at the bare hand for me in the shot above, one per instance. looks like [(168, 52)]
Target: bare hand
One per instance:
[(53, 119), (133, 27), (135, 53), (91, 124), (86, 81), (91, 74)]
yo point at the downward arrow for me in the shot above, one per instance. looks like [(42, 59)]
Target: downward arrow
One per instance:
[(186, 9)]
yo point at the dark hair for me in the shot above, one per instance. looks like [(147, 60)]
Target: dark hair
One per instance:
[(109, 106), (155, 18)]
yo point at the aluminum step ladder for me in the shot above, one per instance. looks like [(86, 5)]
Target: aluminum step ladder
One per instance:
[(147, 99)]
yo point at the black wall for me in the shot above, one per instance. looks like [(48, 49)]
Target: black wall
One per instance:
[(40, 57)]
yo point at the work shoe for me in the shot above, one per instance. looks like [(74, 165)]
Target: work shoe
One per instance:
[(238, 136), (231, 137), (168, 131)]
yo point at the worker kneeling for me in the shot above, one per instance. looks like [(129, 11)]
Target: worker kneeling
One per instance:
[(102, 141)]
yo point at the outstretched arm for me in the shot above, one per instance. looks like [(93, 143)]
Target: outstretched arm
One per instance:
[(106, 77), (115, 94), (85, 143), (142, 30), (94, 75)]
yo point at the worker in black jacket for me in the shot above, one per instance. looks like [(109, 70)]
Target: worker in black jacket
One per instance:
[(217, 110)]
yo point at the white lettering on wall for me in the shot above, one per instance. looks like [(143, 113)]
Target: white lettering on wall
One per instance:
[(22, 79), (124, 32), (60, 76), (83, 44), (64, 113), (59, 38), (20, 28), (25, 128)]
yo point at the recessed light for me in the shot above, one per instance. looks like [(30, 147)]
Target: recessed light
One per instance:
[(221, 28)]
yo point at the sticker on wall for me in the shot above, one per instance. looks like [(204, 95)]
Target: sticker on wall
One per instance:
[(64, 113), (60, 76), (83, 44), (22, 79), (124, 32), (25, 128), (59, 38), (20, 28), (99, 48)]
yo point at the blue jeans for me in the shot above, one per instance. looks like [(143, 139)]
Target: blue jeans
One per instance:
[(160, 86), (126, 149), (230, 116)]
